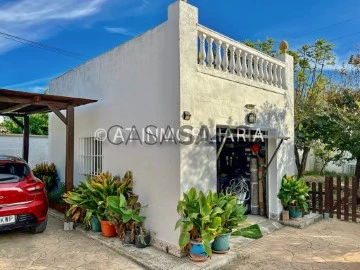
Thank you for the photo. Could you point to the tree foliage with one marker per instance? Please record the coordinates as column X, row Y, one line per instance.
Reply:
column 266, row 46
column 311, row 62
column 38, row 125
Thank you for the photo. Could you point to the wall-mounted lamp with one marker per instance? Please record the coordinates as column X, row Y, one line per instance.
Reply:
column 250, row 106
column 251, row 118
column 186, row 115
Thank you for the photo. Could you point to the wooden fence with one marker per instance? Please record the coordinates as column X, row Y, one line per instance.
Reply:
column 337, row 197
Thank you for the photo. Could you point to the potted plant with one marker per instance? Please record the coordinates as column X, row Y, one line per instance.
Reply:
column 108, row 229
column 231, row 214
column 125, row 215
column 293, row 195
column 87, row 201
column 142, row 238
column 199, row 223
column 284, row 197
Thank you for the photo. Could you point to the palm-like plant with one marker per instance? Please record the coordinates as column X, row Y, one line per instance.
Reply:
column 89, row 198
column 293, row 192
column 125, row 214
column 199, row 220
column 233, row 213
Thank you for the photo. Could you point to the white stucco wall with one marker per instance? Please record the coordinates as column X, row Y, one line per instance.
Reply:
column 11, row 144
column 217, row 98
column 152, row 79
column 136, row 83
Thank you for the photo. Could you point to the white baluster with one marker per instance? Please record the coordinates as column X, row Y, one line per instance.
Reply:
column 279, row 77
column 256, row 68
column 225, row 62
column 244, row 65
column 218, row 54
column 202, row 53
column 210, row 53
column 261, row 69
column 270, row 79
column 266, row 73
column 238, row 62
column 283, row 78
column 250, row 67
column 275, row 75
column 232, row 60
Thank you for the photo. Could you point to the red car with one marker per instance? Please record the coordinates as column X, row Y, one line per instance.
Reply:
column 23, row 199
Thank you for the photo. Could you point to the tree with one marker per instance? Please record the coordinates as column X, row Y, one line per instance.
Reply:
column 311, row 80
column 326, row 155
column 38, row 125
column 311, row 83
column 266, row 46
column 342, row 116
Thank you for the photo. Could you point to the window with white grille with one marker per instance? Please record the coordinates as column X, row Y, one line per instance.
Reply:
column 91, row 156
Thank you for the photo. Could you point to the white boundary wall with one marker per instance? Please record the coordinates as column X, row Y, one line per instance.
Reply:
column 11, row 144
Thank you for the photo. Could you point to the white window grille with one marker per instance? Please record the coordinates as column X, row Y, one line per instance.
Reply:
column 91, row 155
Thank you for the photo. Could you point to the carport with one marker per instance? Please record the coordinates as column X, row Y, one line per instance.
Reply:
column 22, row 104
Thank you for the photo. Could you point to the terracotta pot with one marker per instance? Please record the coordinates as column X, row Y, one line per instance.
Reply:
column 107, row 229
column 285, row 215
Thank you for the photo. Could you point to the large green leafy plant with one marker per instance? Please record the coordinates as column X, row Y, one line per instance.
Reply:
column 125, row 214
column 200, row 220
column 90, row 197
column 293, row 192
column 233, row 213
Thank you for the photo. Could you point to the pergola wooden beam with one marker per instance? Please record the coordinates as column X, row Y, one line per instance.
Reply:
column 22, row 104
column 31, row 101
column 69, row 165
column 15, row 108
column 26, row 138
column 25, row 126
column 13, row 117
column 59, row 114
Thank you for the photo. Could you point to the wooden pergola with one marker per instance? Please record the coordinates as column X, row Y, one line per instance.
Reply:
column 22, row 104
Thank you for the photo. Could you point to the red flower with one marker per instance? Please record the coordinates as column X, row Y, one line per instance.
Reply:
column 255, row 148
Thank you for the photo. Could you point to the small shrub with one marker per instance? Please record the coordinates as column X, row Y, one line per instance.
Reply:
column 47, row 173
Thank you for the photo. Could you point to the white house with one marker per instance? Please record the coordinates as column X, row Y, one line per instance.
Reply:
column 180, row 67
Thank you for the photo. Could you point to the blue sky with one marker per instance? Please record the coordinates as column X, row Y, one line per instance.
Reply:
column 94, row 26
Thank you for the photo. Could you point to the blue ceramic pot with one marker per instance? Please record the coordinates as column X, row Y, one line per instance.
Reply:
column 198, row 248
column 295, row 212
column 222, row 242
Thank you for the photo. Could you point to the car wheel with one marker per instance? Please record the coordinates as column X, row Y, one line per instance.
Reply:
column 40, row 227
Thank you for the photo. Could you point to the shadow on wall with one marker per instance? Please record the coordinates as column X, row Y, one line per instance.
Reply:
column 277, row 119
column 198, row 161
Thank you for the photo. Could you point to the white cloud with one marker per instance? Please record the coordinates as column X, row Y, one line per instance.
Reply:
column 42, row 10
column 32, row 19
column 119, row 30
column 35, row 86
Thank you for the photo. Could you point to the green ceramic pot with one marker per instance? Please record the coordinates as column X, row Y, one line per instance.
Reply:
column 95, row 224
column 222, row 242
column 295, row 212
